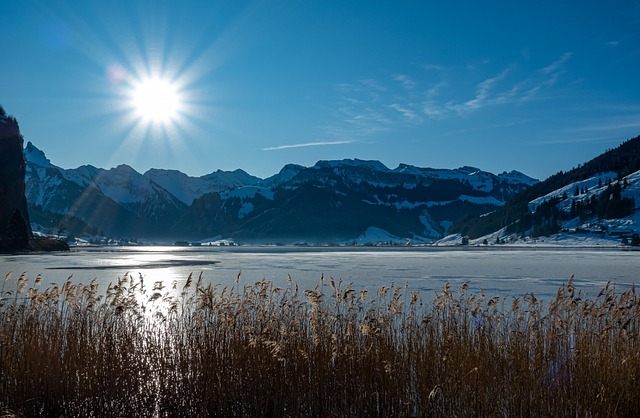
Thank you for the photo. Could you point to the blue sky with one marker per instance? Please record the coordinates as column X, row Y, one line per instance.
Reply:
column 534, row 86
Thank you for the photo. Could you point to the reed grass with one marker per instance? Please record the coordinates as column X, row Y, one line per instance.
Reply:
column 259, row 350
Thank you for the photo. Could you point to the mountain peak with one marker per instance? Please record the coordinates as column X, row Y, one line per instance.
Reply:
column 125, row 169
column 287, row 173
column 467, row 169
column 370, row 164
column 155, row 171
column 35, row 156
column 517, row 176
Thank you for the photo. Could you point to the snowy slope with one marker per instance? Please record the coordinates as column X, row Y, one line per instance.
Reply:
column 123, row 184
column 83, row 175
column 591, row 232
column 286, row 174
column 514, row 176
column 188, row 188
column 478, row 179
column 590, row 186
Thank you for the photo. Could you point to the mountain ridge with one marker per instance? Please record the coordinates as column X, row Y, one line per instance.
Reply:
column 331, row 200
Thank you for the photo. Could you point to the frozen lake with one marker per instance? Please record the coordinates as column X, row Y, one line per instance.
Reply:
column 498, row 271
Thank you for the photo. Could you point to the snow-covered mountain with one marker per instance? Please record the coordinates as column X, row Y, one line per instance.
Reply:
column 50, row 186
column 598, row 202
column 188, row 188
column 332, row 200
column 377, row 174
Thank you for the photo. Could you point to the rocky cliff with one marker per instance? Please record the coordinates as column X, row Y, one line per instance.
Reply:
column 15, row 229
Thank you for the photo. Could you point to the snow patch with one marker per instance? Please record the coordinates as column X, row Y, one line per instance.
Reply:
column 217, row 241
column 245, row 209
column 429, row 229
column 449, row 240
column 482, row 200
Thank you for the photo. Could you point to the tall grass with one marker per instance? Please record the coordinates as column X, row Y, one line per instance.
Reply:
column 260, row 350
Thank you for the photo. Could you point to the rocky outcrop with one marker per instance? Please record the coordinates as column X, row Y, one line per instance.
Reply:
column 46, row 245
column 15, row 229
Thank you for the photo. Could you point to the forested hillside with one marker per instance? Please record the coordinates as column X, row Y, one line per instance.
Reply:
column 516, row 214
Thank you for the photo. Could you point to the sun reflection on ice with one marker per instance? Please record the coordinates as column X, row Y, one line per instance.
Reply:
column 154, row 295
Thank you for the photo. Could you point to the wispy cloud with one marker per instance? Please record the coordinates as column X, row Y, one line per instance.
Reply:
column 307, row 144
column 373, row 84
column 502, row 89
column 483, row 94
column 407, row 112
column 434, row 67
column 369, row 106
column 557, row 64
column 406, row 81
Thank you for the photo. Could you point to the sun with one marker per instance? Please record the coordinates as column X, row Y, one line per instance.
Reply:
column 156, row 100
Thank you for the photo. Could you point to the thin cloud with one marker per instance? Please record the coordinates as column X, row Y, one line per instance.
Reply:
column 434, row 67
column 369, row 106
column 557, row 64
column 483, row 91
column 307, row 144
column 433, row 111
column 438, row 87
column 405, row 111
column 373, row 84
column 406, row 81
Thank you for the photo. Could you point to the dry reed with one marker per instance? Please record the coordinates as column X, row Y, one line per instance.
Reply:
column 260, row 350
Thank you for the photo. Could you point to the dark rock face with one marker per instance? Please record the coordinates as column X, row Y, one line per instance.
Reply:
column 15, row 228
column 47, row 245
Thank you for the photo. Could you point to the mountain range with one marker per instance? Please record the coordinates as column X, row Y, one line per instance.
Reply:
column 343, row 201
column 332, row 201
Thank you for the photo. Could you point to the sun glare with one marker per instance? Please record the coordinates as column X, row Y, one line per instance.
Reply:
column 156, row 100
